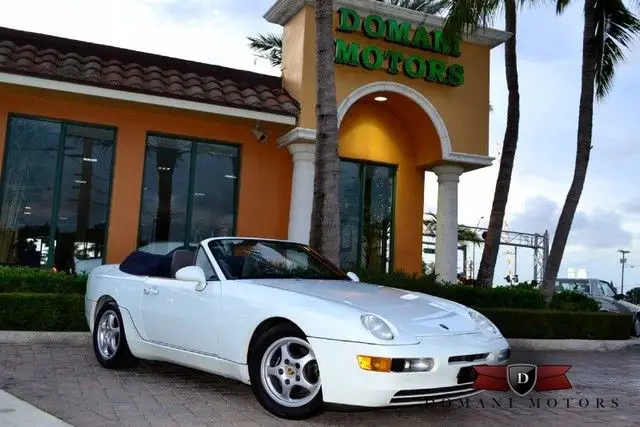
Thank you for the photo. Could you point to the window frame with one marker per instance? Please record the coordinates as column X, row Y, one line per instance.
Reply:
column 55, row 206
column 362, row 165
column 201, row 250
column 194, row 141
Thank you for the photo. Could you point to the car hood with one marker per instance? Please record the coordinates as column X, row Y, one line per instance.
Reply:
column 410, row 312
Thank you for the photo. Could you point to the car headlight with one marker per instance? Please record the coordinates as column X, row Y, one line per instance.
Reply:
column 483, row 322
column 378, row 327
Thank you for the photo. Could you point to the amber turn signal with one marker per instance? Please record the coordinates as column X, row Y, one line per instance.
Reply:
column 377, row 364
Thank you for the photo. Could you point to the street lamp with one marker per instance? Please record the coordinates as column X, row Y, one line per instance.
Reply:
column 473, row 270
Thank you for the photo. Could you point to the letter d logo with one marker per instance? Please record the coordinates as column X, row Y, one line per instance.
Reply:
column 522, row 378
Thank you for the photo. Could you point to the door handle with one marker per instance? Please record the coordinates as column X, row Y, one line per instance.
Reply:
column 150, row 291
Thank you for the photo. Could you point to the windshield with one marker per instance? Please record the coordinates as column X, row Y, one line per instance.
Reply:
column 581, row 285
column 265, row 259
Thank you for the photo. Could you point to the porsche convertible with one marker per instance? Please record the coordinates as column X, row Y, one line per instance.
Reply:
column 278, row 316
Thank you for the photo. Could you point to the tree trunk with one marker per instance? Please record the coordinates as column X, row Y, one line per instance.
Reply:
column 325, row 219
column 583, row 150
column 509, row 145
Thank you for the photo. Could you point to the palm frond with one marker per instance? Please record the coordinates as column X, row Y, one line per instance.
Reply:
column 463, row 17
column 267, row 46
column 616, row 28
column 560, row 5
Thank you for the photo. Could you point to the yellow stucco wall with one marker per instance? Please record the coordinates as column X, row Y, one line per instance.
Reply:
column 464, row 109
column 373, row 133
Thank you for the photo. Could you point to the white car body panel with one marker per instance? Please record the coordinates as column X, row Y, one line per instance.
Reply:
column 168, row 319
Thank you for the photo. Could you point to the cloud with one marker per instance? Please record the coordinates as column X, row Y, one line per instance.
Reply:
column 601, row 229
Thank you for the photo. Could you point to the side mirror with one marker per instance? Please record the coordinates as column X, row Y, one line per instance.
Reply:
column 618, row 296
column 353, row 276
column 193, row 273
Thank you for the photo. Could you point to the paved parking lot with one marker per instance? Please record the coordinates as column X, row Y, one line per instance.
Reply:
column 68, row 383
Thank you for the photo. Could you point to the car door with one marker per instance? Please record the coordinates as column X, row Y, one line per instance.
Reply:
column 175, row 314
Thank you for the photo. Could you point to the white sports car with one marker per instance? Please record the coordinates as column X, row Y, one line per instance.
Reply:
column 278, row 316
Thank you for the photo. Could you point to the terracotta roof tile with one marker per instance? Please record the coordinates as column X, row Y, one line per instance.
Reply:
column 74, row 61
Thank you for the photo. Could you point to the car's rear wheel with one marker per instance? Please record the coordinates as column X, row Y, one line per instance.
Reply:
column 109, row 339
column 284, row 373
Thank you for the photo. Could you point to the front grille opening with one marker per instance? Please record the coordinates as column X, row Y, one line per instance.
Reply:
column 422, row 396
column 468, row 358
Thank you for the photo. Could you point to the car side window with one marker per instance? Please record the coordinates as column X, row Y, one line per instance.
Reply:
column 606, row 289
column 202, row 261
column 597, row 289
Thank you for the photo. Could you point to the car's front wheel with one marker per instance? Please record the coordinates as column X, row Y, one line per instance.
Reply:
column 109, row 339
column 284, row 374
column 636, row 325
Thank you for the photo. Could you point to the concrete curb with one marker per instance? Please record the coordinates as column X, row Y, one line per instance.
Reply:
column 38, row 337
column 519, row 344
column 84, row 339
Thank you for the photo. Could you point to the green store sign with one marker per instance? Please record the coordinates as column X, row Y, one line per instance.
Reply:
column 415, row 66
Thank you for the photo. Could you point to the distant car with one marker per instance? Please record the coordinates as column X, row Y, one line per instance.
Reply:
column 606, row 294
column 278, row 316
column 86, row 266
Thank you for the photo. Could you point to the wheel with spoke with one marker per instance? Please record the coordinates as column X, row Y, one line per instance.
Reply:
column 284, row 372
column 109, row 339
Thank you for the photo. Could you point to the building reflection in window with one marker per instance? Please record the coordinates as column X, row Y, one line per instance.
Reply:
column 189, row 191
column 366, row 211
column 55, row 195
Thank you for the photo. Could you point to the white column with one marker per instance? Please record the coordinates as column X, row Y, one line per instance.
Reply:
column 304, row 155
column 447, row 222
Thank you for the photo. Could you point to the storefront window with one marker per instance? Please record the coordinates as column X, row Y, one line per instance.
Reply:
column 55, row 196
column 189, row 191
column 366, row 211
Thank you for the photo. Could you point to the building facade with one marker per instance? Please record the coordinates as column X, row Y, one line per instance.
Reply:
column 105, row 150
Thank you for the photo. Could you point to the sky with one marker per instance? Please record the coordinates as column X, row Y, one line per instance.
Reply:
column 549, row 50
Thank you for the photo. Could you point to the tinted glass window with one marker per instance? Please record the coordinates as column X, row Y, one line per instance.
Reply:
column 366, row 203
column 606, row 289
column 56, row 194
column 189, row 190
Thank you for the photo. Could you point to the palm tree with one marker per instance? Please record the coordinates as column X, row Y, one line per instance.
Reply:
column 325, row 218
column 465, row 234
column 608, row 29
column 463, row 15
column 269, row 46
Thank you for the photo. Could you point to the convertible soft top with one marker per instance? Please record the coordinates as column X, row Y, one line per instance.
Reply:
column 141, row 263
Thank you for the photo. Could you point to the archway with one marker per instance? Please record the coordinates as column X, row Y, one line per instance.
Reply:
column 389, row 135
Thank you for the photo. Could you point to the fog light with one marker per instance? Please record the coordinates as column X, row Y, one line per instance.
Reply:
column 504, row 355
column 418, row 365
column 377, row 364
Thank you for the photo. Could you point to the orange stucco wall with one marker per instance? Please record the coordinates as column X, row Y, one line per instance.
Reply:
column 464, row 109
column 265, row 192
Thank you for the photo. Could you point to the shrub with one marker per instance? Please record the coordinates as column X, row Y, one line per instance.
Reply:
column 552, row 324
column 573, row 301
column 38, row 280
column 42, row 312
column 524, row 295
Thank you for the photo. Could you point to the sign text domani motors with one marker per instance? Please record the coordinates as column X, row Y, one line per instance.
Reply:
column 413, row 66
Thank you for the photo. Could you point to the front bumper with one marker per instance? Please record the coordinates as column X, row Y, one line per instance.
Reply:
column 345, row 383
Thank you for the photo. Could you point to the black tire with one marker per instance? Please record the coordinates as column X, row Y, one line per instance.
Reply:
column 121, row 358
column 635, row 326
column 307, row 410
